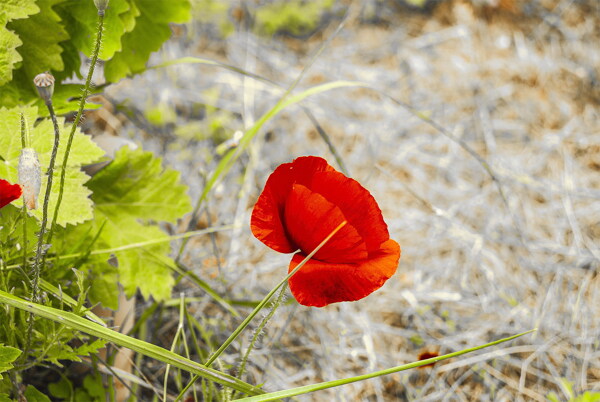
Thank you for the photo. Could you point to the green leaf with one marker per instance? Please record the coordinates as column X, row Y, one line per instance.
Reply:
column 151, row 30
column 104, row 283
column 41, row 34
column 9, row 41
column 5, row 397
column 58, row 352
column 129, row 17
column 135, row 188
column 33, row 395
column 8, row 354
column 9, row 55
column 61, row 389
column 76, row 206
column 17, row 9
column 135, row 184
column 94, row 387
column 90, row 348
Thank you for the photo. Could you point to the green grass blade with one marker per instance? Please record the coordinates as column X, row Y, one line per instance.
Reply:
column 73, row 321
column 65, row 298
column 336, row 383
column 132, row 246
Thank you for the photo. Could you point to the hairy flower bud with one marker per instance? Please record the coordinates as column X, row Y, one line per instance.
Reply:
column 44, row 83
column 101, row 5
column 29, row 176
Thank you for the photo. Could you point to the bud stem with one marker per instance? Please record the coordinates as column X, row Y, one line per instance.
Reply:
column 86, row 92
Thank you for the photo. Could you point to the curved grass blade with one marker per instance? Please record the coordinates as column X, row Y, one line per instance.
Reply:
column 81, row 324
column 336, row 383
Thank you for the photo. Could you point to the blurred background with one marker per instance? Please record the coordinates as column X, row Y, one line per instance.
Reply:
column 477, row 131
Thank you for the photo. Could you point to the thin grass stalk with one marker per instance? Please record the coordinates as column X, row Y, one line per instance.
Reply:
column 327, row 140
column 134, row 245
column 258, row 308
column 178, row 333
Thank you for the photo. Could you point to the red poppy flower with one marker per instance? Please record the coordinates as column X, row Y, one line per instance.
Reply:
column 301, row 204
column 9, row 192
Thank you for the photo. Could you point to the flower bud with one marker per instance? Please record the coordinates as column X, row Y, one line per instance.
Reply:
column 29, row 176
column 44, row 83
column 101, row 5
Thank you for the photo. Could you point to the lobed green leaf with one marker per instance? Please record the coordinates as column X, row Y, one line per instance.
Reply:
column 77, row 206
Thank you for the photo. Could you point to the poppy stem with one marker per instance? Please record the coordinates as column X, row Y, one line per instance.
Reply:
column 259, row 307
column 259, row 330
column 24, row 212
column 40, row 250
column 84, row 95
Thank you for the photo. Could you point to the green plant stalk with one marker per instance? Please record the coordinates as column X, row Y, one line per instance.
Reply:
column 259, row 307
column 24, row 210
column 336, row 383
column 50, row 173
column 23, row 140
column 325, row 137
column 91, row 328
column 36, row 265
column 136, row 245
column 178, row 333
column 85, row 94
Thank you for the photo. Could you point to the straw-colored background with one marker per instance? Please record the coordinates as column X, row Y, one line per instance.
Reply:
column 518, row 85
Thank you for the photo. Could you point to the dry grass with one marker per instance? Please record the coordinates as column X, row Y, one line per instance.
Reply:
column 521, row 89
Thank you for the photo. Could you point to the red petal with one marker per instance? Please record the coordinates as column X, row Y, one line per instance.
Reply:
column 320, row 283
column 267, row 215
column 309, row 218
column 9, row 192
column 357, row 204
